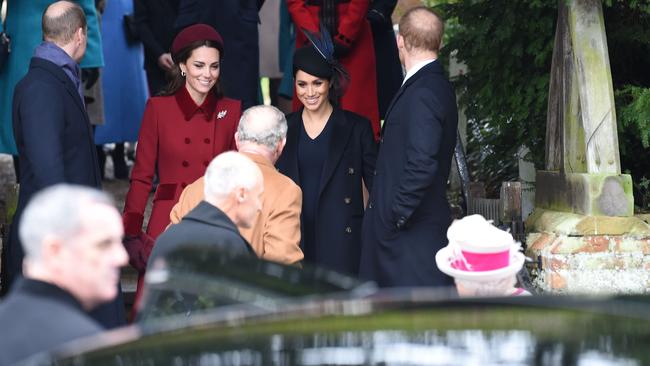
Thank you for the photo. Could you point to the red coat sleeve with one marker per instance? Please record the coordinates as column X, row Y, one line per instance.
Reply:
column 351, row 21
column 301, row 16
column 142, row 173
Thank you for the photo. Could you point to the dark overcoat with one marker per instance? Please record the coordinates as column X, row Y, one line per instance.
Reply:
column 389, row 70
column 55, row 145
column 350, row 162
column 408, row 214
column 236, row 21
column 155, row 22
column 205, row 225
column 38, row 317
column 54, row 139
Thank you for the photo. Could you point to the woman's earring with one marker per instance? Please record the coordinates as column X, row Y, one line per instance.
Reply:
column 183, row 74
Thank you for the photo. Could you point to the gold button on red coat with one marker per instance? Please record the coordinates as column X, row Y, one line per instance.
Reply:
column 186, row 164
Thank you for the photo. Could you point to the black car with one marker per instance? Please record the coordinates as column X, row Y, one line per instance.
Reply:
column 206, row 308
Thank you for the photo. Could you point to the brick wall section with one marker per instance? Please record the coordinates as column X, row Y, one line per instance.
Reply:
column 590, row 264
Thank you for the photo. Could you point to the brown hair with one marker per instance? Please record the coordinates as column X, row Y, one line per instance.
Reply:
column 61, row 28
column 422, row 28
column 174, row 77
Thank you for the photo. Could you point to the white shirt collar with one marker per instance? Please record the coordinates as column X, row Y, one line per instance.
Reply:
column 415, row 68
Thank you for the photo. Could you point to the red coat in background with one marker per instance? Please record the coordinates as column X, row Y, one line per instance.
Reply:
column 353, row 32
column 178, row 139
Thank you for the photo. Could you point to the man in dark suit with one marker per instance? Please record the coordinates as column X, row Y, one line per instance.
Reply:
column 233, row 187
column 155, row 22
column 236, row 21
column 51, row 127
column 408, row 214
column 72, row 236
column 389, row 71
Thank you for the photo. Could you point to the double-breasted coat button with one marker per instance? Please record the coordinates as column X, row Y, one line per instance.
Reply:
column 186, row 164
column 347, row 200
column 348, row 230
column 187, row 140
column 369, row 204
column 374, row 172
column 206, row 140
column 350, row 171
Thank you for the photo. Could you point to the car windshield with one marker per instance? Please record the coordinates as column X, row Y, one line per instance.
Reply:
column 205, row 307
column 194, row 279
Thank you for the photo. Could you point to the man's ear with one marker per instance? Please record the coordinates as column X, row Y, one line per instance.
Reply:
column 237, row 140
column 400, row 41
column 80, row 34
column 51, row 250
column 241, row 194
column 281, row 146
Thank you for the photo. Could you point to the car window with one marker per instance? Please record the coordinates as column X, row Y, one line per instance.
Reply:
column 194, row 279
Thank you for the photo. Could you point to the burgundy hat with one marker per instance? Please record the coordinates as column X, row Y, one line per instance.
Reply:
column 196, row 32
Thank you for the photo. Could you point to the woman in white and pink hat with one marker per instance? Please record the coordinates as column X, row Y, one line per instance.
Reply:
column 482, row 259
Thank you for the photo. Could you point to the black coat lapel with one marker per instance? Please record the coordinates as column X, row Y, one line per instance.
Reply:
column 341, row 131
column 434, row 66
column 289, row 166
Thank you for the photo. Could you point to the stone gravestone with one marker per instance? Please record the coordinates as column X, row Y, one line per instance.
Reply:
column 583, row 234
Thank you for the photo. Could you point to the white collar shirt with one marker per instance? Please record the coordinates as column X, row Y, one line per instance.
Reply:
column 415, row 68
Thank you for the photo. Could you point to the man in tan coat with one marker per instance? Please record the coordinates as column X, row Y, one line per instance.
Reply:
column 275, row 234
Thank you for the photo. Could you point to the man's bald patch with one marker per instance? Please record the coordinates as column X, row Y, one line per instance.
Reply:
column 61, row 20
column 422, row 29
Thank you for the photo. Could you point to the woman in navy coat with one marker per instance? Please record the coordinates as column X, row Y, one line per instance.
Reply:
column 330, row 153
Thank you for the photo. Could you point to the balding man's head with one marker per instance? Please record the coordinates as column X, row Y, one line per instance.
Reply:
column 61, row 21
column 264, row 126
column 422, row 29
column 234, row 184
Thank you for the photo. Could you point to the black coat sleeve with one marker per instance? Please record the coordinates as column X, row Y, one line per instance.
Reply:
column 142, row 18
column 423, row 140
column 189, row 12
column 384, row 10
column 43, row 115
column 369, row 153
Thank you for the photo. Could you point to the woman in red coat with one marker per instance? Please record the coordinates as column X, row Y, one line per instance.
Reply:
column 182, row 130
column 346, row 22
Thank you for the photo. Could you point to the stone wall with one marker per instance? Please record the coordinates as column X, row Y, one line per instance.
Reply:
column 589, row 254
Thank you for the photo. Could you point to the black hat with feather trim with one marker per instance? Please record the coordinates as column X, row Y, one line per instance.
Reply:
column 318, row 59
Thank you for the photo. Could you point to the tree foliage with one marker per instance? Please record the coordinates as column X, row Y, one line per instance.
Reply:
column 507, row 47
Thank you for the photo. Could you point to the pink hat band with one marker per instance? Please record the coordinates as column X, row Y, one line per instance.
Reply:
column 481, row 262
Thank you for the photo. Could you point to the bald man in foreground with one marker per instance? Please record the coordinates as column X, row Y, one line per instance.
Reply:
column 232, row 198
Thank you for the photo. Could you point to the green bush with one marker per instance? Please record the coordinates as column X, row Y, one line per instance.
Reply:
column 507, row 47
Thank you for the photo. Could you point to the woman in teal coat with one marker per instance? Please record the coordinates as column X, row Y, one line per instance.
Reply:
column 23, row 25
